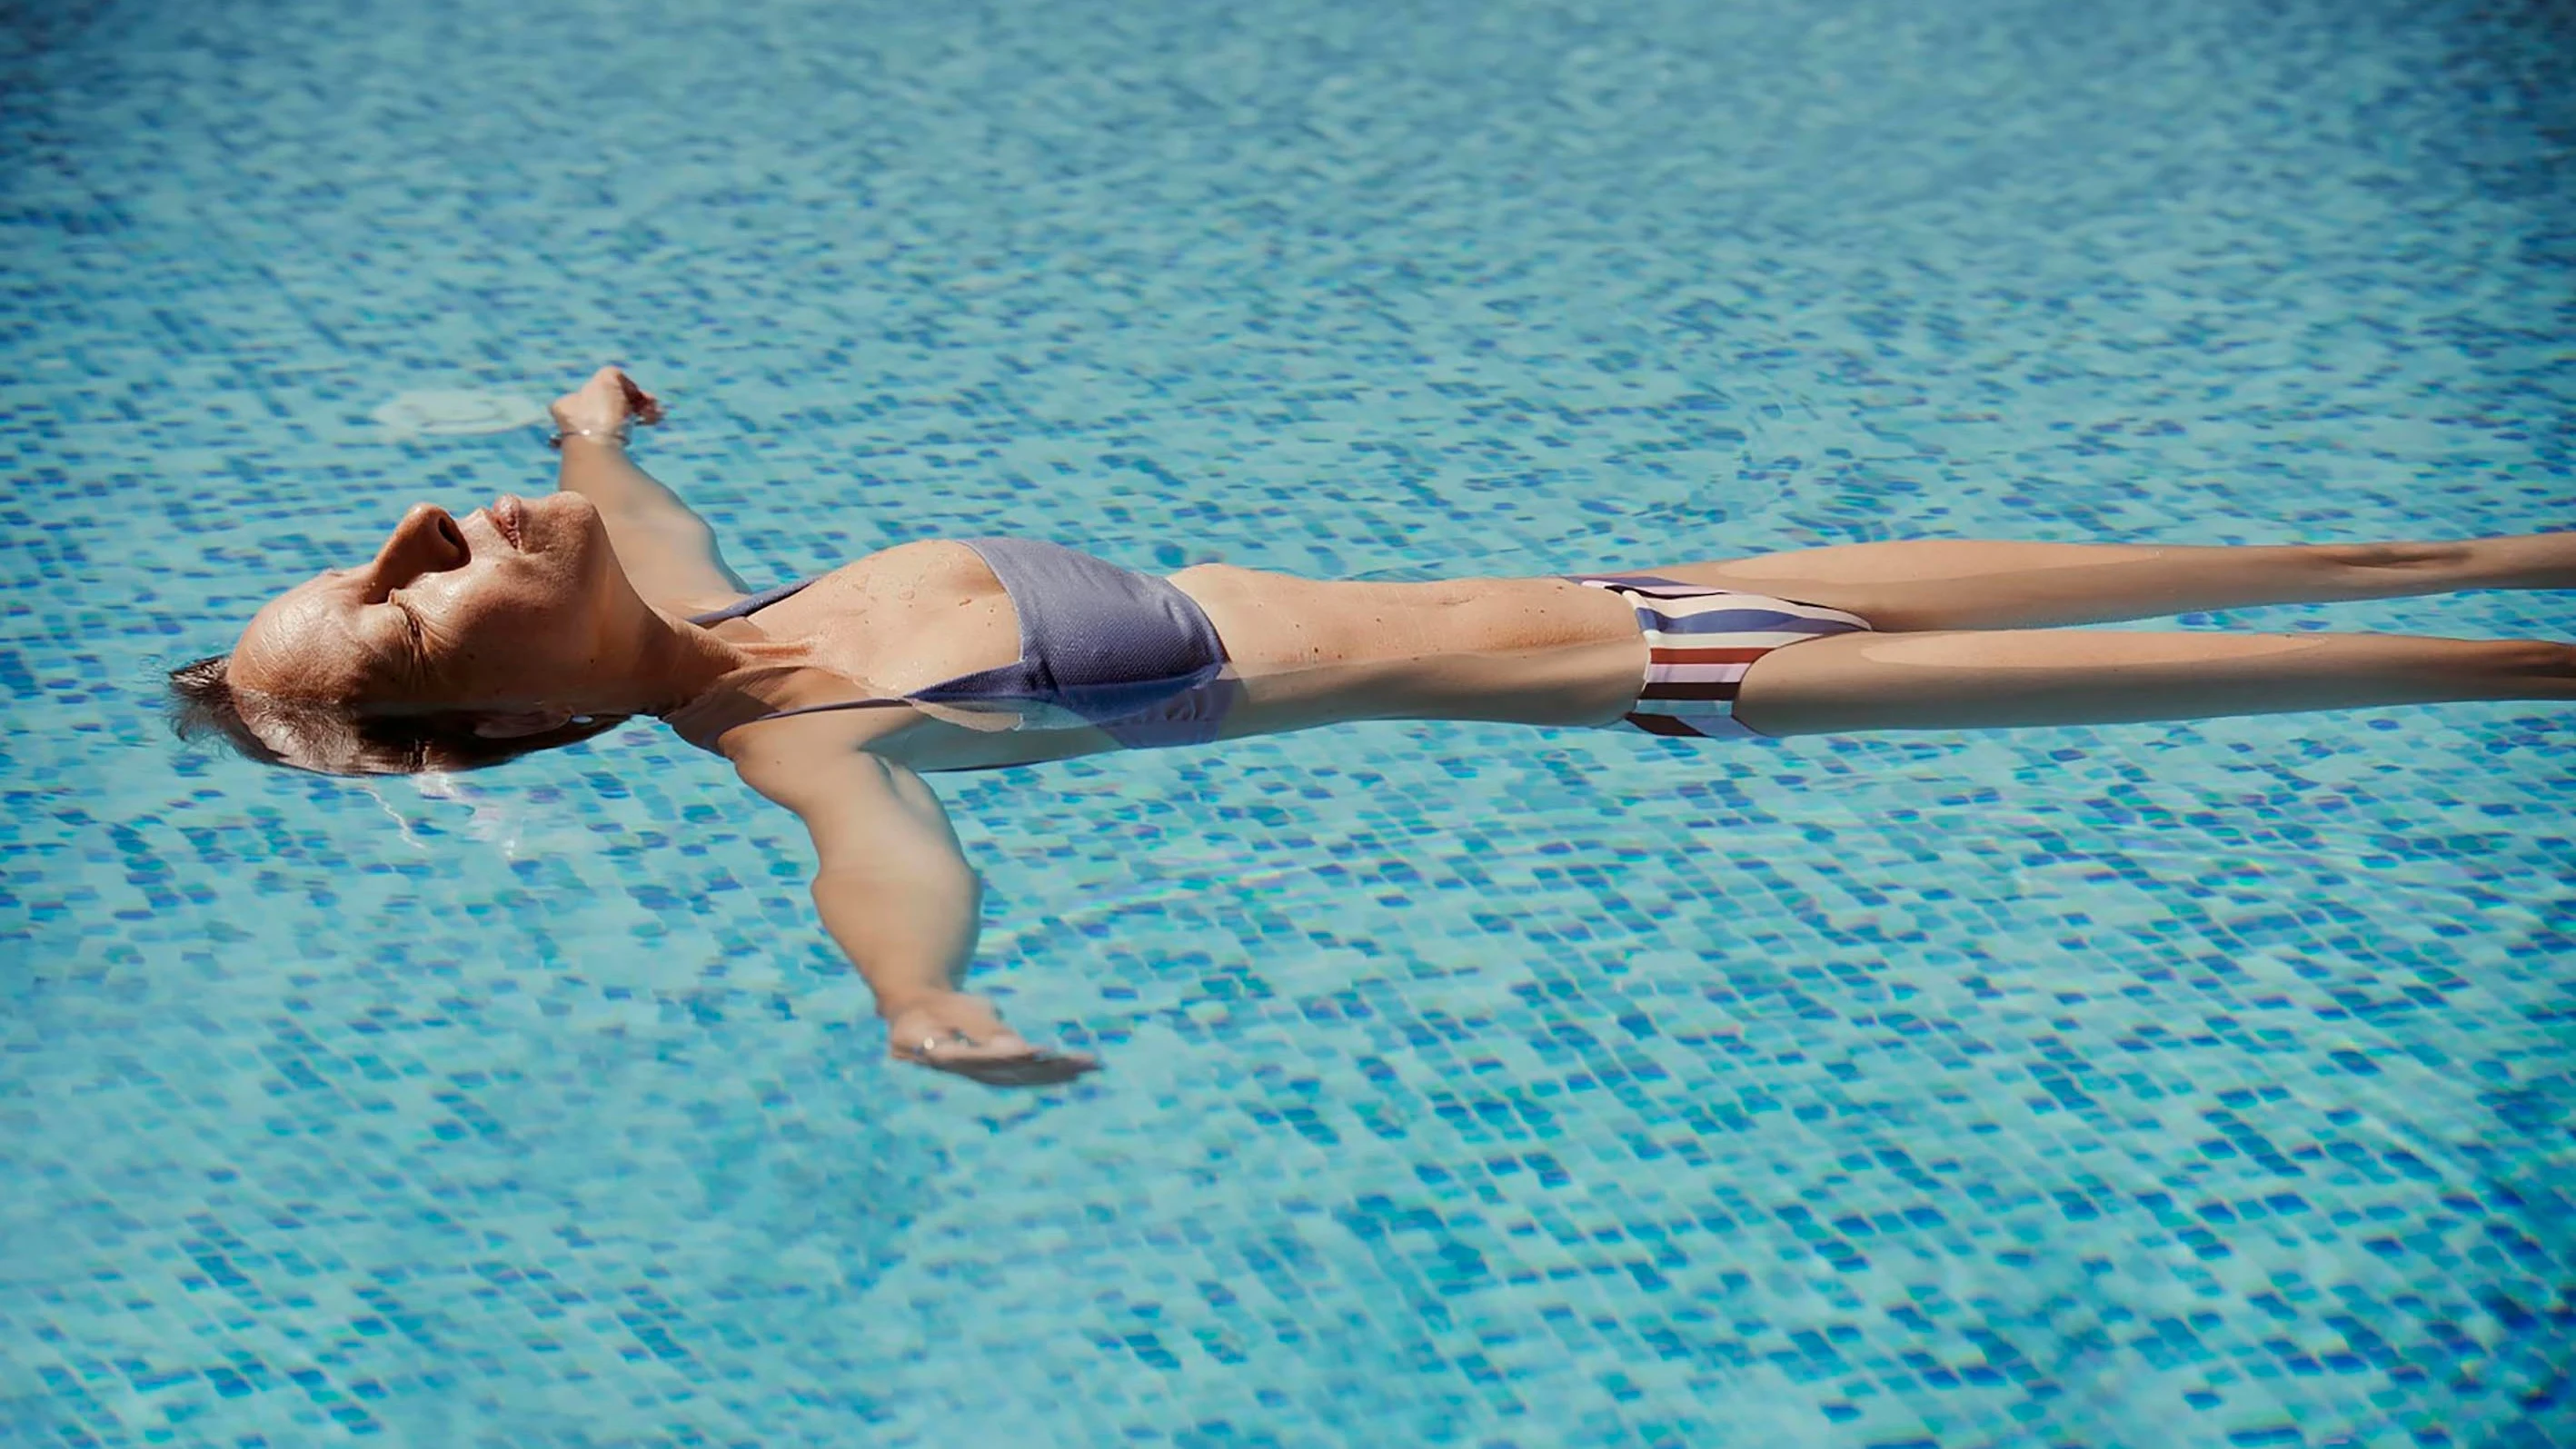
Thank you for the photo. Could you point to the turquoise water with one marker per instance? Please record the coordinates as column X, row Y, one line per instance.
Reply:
column 2145, row 1086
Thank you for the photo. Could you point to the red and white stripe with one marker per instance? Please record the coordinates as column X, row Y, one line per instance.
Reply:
column 1700, row 643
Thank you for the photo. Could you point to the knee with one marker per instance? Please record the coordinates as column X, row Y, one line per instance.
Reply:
column 2382, row 558
column 2546, row 660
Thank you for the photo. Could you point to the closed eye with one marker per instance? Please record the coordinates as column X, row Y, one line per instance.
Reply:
column 411, row 625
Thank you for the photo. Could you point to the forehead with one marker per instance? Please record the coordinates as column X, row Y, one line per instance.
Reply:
column 304, row 643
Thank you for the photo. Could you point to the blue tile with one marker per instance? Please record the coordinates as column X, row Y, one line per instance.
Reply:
column 2186, row 1084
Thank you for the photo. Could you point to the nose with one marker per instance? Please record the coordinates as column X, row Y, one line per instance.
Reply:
column 427, row 541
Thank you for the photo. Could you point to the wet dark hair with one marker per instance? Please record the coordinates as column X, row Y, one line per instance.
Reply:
column 203, row 707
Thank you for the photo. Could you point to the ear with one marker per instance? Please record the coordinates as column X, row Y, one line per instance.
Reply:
column 519, row 724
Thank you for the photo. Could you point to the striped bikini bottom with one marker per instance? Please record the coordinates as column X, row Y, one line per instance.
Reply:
column 1700, row 641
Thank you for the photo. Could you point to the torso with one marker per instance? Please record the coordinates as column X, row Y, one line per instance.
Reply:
column 1538, row 651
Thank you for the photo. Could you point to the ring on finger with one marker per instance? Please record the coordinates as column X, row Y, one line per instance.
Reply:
column 931, row 1044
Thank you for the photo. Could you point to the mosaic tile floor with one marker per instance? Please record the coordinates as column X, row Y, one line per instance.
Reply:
column 2152, row 1086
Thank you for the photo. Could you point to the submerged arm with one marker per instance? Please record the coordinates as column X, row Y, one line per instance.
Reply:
column 898, row 897
column 667, row 549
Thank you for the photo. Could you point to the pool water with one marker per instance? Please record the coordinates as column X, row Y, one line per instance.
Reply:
column 2160, row 1085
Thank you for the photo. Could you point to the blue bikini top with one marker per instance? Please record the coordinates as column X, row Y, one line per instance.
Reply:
column 1126, row 651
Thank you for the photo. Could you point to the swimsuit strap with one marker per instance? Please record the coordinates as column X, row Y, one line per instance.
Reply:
column 752, row 605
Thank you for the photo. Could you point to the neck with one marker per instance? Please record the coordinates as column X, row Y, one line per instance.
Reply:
column 713, row 684
column 670, row 663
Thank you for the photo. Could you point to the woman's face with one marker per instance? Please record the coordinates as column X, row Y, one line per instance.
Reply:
column 512, row 608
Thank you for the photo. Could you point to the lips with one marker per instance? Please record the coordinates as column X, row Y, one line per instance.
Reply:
column 510, row 517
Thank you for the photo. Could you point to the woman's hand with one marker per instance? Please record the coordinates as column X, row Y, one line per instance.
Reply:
column 954, row 1032
column 604, row 407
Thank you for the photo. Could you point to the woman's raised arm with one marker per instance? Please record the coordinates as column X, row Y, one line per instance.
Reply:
column 667, row 549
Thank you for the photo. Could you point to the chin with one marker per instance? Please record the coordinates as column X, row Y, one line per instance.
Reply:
column 564, row 524
column 569, row 510
column 577, row 534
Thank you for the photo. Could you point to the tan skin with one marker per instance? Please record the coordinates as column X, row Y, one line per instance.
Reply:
column 529, row 613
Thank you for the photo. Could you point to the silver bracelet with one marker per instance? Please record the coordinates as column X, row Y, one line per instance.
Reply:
column 619, row 434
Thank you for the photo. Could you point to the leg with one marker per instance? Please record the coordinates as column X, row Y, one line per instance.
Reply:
column 1857, row 682
column 1964, row 584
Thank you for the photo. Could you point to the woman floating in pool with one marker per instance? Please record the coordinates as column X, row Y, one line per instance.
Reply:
column 528, row 624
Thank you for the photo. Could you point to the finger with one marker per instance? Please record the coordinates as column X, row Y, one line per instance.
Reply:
column 1043, row 1069
column 1024, row 1066
column 957, row 1046
column 648, row 408
column 1041, row 1074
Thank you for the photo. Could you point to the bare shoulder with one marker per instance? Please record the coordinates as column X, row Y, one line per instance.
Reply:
column 797, row 760
column 691, row 605
column 862, row 809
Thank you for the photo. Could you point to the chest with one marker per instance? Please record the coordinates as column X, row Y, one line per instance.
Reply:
column 899, row 619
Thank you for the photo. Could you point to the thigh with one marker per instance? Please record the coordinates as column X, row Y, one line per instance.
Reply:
column 1982, row 584
column 1989, row 680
